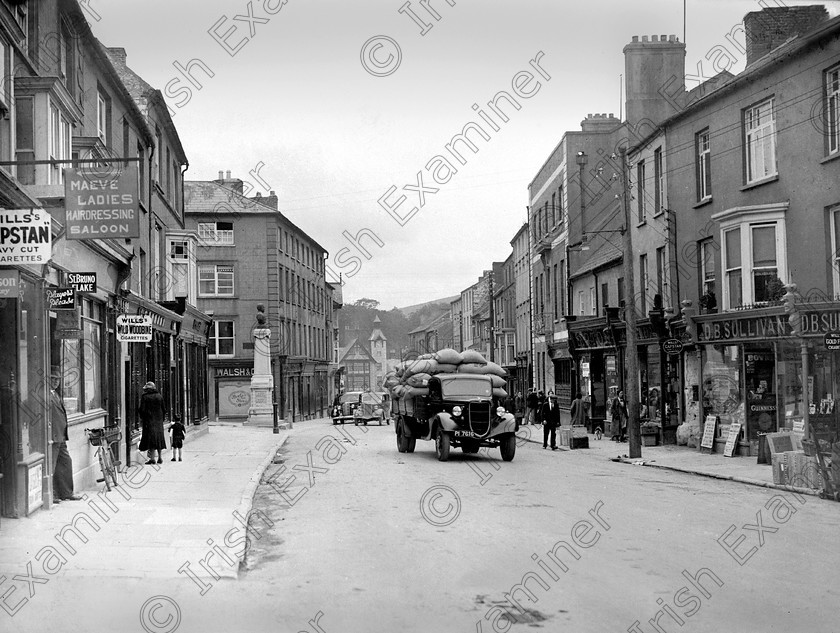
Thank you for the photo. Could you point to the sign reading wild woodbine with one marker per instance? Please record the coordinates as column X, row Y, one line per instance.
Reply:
column 134, row 328
column 25, row 236
column 102, row 206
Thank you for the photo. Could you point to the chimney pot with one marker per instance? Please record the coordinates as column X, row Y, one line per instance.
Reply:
column 635, row 38
column 654, row 38
column 227, row 174
column 644, row 38
column 271, row 193
column 663, row 38
column 221, row 175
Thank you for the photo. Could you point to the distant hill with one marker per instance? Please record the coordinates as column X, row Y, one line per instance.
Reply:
column 409, row 310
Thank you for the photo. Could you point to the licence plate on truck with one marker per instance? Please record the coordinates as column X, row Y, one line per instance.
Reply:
column 464, row 434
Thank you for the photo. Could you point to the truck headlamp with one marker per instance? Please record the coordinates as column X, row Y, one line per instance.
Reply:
column 456, row 411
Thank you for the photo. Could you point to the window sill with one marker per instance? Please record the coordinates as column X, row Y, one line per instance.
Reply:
column 758, row 183
column 217, row 297
column 828, row 159
column 703, row 203
column 642, row 223
column 78, row 418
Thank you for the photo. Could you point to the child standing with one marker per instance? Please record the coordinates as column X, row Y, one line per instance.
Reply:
column 178, row 434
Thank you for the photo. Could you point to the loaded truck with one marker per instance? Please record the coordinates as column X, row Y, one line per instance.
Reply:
column 458, row 411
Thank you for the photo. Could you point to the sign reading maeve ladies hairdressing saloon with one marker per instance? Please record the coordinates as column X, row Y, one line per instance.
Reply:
column 102, row 204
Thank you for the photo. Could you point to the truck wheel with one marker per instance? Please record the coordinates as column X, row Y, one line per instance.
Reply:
column 442, row 445
column 508, row 447
column 402, row 440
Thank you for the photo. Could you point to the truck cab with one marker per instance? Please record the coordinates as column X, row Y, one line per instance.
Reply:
column 458, row 411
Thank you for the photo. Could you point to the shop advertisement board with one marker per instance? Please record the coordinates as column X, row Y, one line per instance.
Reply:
column 134, row 328
column 34, row 498
column 732, row 439
column 61, row 298
column 9, row 282
column 832, row 341
column 25, row 236
column 102, row 203
column 82, row 282
column 708, row 441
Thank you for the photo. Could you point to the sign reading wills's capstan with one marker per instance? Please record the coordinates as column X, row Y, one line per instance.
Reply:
column 102, row 205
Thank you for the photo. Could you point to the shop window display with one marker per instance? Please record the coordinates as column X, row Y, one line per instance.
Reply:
column 722, row 386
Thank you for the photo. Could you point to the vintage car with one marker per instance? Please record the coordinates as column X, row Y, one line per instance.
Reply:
column 362, row 407
column 459, row 410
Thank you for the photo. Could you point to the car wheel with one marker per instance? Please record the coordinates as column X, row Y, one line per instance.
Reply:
column 410, row 444
column 508, row 447
column 442, row 444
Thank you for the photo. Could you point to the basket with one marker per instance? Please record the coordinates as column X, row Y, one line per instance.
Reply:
column 810, row 447
column 100, row 437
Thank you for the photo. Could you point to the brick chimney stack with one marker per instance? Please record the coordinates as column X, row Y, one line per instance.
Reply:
column 770, row 28
column 234, row 184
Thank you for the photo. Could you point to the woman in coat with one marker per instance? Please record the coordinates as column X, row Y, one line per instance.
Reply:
column 618, row 409
column 152, row 411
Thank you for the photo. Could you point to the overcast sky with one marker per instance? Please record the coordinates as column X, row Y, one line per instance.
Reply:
column 289, row 90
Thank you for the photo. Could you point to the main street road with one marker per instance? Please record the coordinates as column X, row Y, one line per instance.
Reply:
column 365, row 538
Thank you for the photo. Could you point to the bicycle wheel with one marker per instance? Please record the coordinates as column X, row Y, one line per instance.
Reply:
column 103, row 465
column 112, row 469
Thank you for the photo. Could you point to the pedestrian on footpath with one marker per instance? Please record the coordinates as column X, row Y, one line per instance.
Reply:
column 62, row 462
column 618, row 410
column 152, row 412
column 578, row 410
column 540, row 405
column 518, row 408
column 178, row 434
column 551, row 420
column 531, row 401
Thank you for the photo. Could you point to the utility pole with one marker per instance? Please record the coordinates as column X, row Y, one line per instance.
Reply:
column 631, row 352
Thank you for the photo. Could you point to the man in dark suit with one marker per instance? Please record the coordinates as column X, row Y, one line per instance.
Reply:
column 62, row 462
column 551, row 420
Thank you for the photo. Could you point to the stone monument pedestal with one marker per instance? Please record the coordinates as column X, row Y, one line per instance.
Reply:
column 261, row 412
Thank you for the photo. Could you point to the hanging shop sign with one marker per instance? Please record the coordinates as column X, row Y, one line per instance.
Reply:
column 82, row 282
column 61, row 298
column 832, row 341
column 9, row 282
column 134, row 328
column 102, row 205
column 672, row 346
column 25, row 236
column 68, row 324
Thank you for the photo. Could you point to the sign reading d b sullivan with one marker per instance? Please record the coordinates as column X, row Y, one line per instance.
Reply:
column 102, row 205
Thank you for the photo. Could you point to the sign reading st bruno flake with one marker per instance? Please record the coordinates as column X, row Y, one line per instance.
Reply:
column 102, row 205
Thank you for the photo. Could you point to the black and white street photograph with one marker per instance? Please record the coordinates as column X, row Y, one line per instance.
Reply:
column 427, row 316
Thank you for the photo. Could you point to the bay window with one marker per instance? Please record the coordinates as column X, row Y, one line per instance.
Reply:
column 754, row 254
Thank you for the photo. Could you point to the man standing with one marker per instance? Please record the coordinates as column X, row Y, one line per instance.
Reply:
column 62, row 462
column 551, row 420
column 531, row 401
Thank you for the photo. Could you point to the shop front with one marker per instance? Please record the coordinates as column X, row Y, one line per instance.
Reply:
column 599, row 352
column 232, row 388
column 756, row 373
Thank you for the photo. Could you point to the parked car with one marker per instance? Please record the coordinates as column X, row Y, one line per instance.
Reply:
column 373, row 406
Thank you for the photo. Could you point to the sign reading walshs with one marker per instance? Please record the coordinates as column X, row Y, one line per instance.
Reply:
column 82, row 282
column 134, row 328
column 102, row 205
column 25, row 236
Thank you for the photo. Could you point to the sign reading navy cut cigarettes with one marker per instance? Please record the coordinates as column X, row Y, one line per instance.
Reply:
column 102, row 205
column 25, row 236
